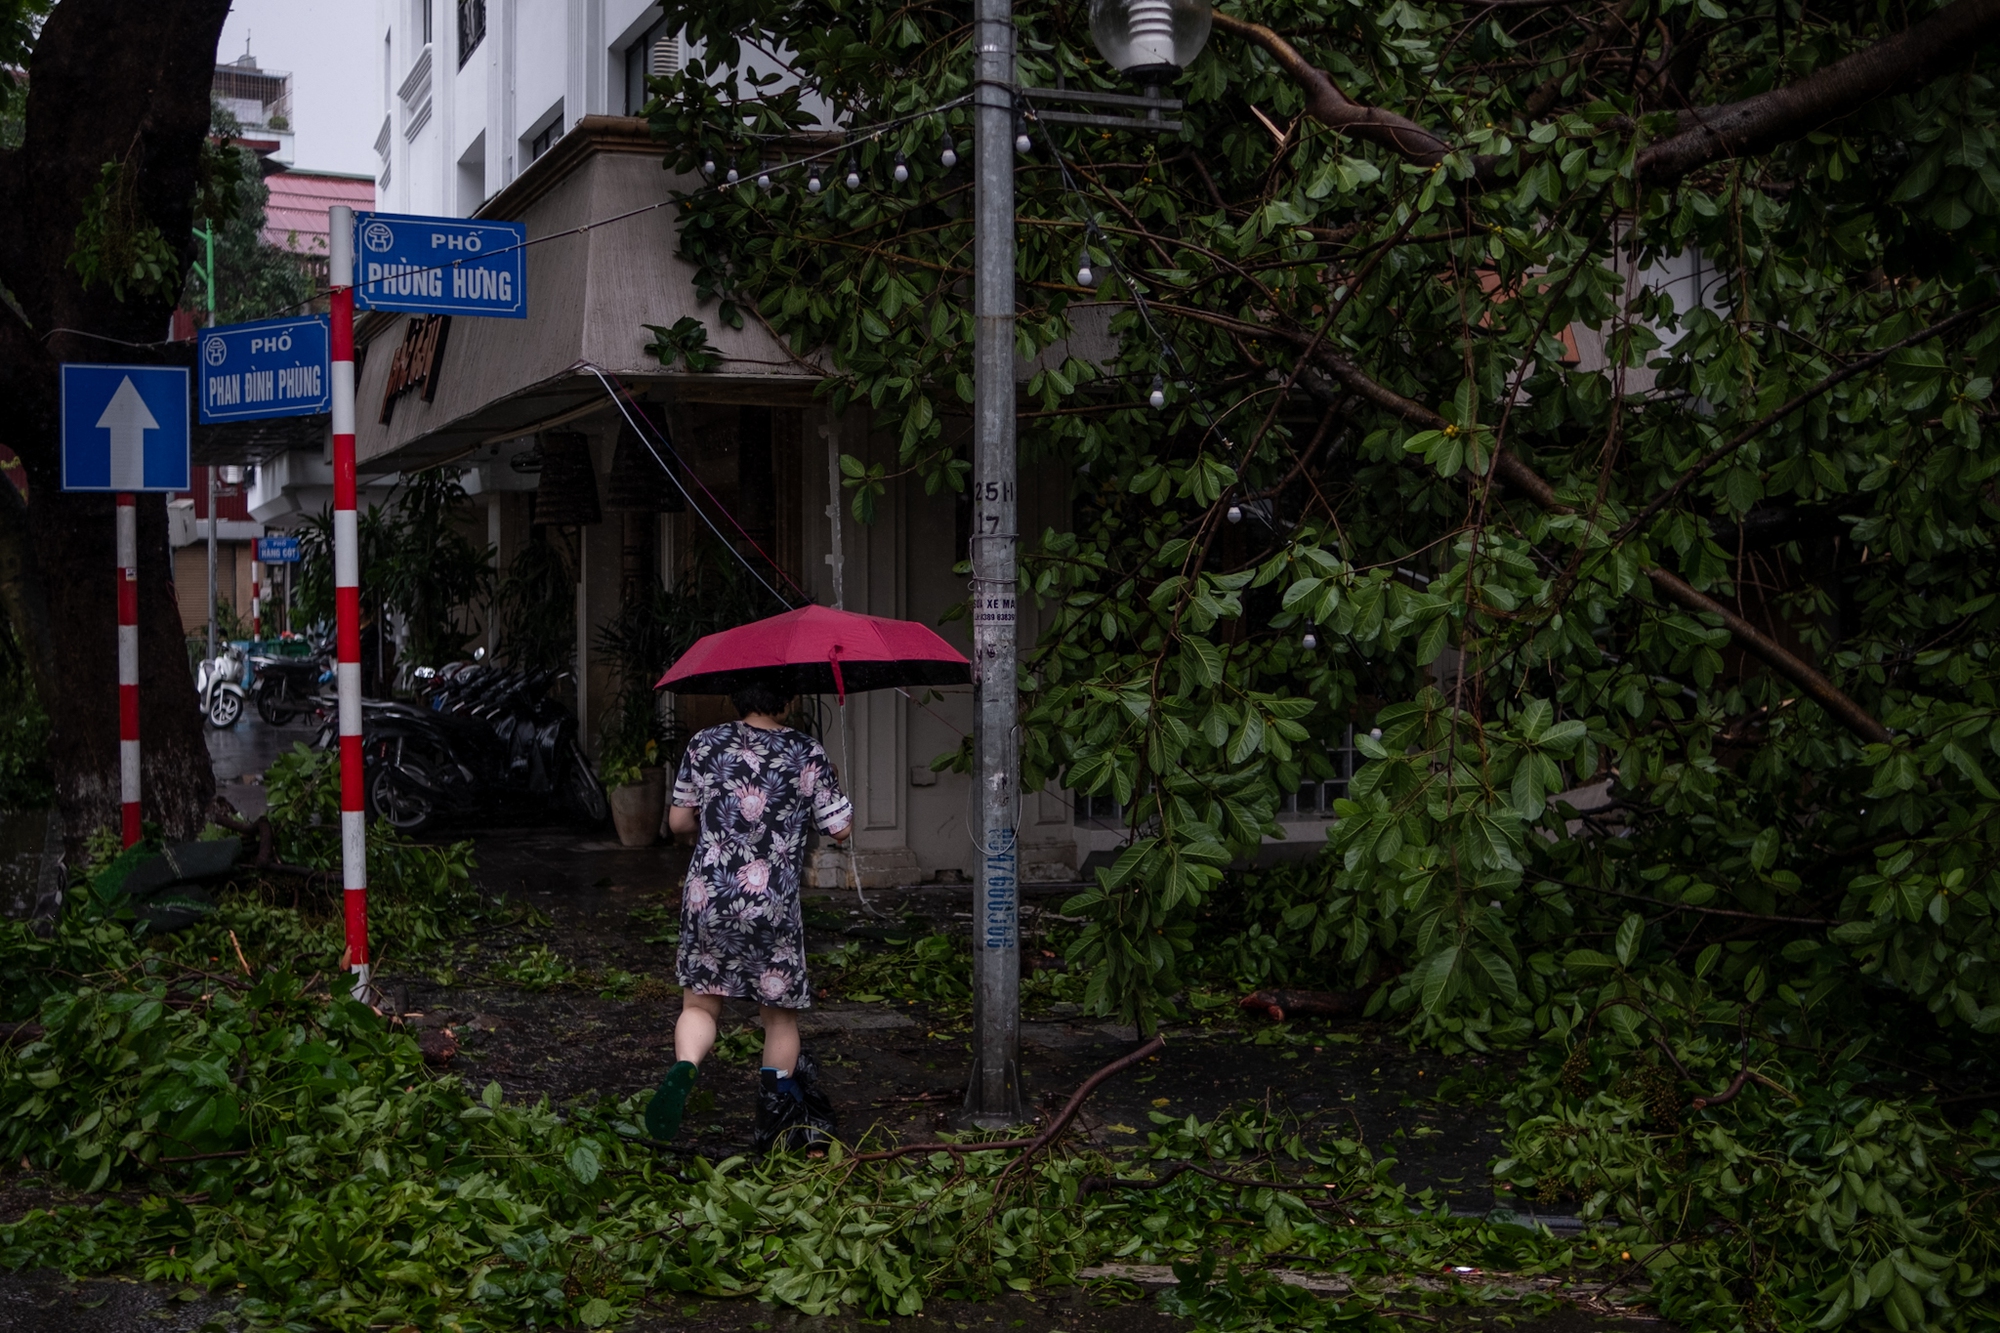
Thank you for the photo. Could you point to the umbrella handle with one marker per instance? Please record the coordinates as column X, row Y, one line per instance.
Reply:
column 839, row 685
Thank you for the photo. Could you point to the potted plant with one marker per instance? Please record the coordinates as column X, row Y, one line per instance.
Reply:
column 637, row 785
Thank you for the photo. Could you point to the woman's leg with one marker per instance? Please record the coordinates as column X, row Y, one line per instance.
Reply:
column 781, row 1039
column 694, row 1031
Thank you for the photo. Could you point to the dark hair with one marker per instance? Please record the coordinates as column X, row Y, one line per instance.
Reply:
column 760, row 697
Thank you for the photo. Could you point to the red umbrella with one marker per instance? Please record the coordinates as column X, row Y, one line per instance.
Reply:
column 817, row 650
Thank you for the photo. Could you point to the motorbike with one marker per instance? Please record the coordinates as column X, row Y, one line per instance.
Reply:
column 284, row 687
column 218, row 686
column 478, row 746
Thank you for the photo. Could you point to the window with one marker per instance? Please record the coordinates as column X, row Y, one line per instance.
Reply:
column 423, row 23
column 656, row 52
column 551, row 132
column 471, row 28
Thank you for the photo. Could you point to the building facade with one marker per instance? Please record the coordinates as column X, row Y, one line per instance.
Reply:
column 473, row 91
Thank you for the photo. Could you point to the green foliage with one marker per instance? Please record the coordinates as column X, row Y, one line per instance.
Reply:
column 685, row 342
column 259, row 1136
column 253, row 278
column 431, row 573
column 932, row 970
column 534, row 968
column 117, row 245
column 535, row 607
column 415, row 560
column 1351, row 342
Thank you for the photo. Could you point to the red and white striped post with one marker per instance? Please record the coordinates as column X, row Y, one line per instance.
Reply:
column 256, row 599
column 347, row 601
column 128, row 665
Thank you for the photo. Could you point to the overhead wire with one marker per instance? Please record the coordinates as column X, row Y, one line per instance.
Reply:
column 846, row 145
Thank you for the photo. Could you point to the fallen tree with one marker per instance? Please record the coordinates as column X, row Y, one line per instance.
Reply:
column 1505, row 349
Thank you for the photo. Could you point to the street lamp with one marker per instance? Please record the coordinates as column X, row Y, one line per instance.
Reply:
column 1151, row 41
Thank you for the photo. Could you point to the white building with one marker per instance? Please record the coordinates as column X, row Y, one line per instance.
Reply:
column 472, row 91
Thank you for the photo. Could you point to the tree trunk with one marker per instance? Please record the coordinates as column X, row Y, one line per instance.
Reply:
column 108, row 82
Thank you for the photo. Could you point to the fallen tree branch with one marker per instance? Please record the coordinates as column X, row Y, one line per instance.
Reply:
column 1028, row 1146
column 1328, row 105
column 1947, row 39
column 1283, row 1004
column 1923, row 51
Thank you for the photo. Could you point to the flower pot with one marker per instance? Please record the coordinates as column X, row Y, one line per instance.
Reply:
column 636, row 809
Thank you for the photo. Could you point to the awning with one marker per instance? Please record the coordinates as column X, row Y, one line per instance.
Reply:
column 590, row 294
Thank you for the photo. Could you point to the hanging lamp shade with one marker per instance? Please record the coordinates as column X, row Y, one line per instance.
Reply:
column 638, row 484
column 567, row 493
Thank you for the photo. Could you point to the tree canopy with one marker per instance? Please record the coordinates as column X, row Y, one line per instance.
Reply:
column 1600, row 393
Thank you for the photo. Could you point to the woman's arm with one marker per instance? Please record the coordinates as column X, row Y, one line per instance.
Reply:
column 683, row 821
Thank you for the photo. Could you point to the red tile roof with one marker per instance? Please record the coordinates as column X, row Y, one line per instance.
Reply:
column 295, row 217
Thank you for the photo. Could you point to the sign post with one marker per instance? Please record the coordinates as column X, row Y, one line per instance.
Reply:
column 425, row 266
column 125, row 430
column 347, row 601
column 128, row 667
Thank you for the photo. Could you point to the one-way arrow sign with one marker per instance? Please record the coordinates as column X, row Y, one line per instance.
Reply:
column 128, row 421
column 125, row 428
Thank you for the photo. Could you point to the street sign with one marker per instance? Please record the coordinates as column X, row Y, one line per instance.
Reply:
column 278, row 550
column 270, row 368
column 440, row 266
column 124, row 428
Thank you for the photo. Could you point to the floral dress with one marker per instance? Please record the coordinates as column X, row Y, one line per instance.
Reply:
column 742, row 933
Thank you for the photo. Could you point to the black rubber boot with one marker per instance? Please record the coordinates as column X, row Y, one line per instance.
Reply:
column 820, row 1114
column 778, row 1113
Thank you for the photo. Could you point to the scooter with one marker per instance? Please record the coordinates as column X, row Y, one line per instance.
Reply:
column 517, row 750
column 218, row 685
column 284, row 687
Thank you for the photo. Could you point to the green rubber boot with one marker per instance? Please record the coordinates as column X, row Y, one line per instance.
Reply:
column 663, row 1113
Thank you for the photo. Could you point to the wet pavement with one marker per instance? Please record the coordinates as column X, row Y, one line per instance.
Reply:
column 241, row 753
column 895, row 1070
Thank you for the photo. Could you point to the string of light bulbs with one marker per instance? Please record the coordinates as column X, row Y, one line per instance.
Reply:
column 1086, row 278
column 814, row 184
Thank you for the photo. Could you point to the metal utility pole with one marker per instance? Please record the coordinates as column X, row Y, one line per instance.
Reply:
column 994, row 1098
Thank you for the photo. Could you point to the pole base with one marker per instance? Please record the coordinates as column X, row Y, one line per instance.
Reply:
column 990, row 1108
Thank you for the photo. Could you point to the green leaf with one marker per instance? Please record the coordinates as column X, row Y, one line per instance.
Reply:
column 1630, row 930
column 584, row 1161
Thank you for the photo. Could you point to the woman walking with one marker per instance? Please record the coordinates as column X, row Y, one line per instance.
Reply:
column 744, row 791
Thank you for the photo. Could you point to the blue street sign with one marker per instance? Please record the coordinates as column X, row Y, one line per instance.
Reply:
column 124, row 428
column 270, row 368
column 440, row 266
column 278, row 550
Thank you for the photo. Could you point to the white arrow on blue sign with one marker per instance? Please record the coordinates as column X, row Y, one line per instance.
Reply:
column 440, row 266
column 124, row 428
column 270, row 368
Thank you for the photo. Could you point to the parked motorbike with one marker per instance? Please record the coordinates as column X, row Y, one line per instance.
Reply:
column 284, row 687
column 475, row 746
column 218, row 685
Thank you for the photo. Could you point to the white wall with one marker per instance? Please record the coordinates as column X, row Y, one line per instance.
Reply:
column 475, row 137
